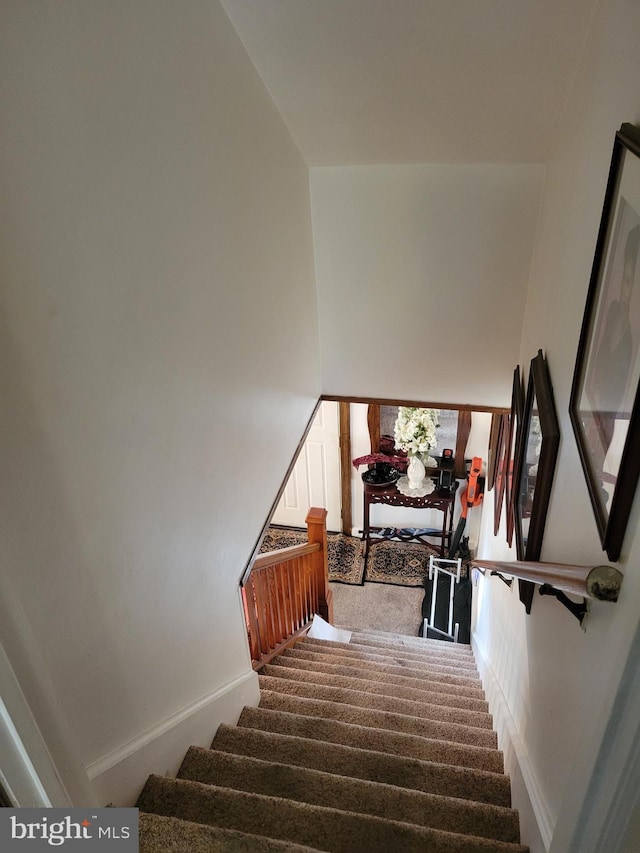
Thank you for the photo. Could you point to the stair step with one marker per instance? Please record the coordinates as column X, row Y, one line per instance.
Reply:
column 405, row 772
column 275, row 679
column 435, row 646
column 464, row 687
column 329, row 829
column 401, row 685
column 392, row 656
column 430, row 648
column 365, row 737
column 433, row 663
column 410, row 645
column 243, row 773
column 425, row 648
column 384, row 656
column 161, row 834
column 370, row 717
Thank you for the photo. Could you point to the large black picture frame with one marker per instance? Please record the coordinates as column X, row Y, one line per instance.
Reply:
column 605, row 404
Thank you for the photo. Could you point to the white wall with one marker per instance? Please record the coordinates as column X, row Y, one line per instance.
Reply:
column 158, row 330
column 422, row 274
column 558, row 683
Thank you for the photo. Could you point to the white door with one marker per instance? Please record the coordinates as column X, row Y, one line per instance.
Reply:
column 315, row 479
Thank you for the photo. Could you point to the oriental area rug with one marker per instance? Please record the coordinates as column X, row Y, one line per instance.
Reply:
column 398, row 563
column 346, row 553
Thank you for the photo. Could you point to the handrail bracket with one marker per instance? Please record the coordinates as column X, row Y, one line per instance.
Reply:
column 579, row 610
column 503, row 578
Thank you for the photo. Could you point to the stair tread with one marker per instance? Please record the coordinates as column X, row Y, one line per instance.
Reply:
column 378, row 632
column 436, row 646
column 431, row 648
column 162, row 834
column 406, row 685
column 467, row 671
column 464, row 687
column 365, row 653
column 337, row 831
column 461, row 664
column 385, row 702
column 372, row 718
column 340, row 759
column 356, row 795
column 399, row 743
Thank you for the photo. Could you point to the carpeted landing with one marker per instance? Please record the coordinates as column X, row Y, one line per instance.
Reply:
column 372, row 746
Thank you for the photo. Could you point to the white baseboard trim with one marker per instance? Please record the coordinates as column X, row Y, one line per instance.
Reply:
column 119, row 775
column 515, row 753
column 27, row 771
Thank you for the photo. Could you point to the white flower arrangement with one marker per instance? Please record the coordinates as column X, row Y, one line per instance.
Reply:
column 415, row 430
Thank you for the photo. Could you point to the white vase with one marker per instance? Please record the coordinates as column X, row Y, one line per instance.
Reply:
column 415, row 472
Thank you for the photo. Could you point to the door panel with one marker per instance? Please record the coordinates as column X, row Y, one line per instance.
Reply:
column 315, row 479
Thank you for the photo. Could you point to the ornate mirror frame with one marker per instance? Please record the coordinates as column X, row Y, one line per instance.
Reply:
column 536, row 462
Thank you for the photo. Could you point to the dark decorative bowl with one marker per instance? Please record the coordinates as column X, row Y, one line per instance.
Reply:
column 382, row 474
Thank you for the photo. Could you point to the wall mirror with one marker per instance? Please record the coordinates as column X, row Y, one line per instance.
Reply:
column 453, row 431
column 537, row 453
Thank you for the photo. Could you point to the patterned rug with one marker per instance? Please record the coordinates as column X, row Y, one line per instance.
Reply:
column 398, row 563
column 346, row 553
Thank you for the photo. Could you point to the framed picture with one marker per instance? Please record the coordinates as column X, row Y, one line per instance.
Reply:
column 604, row 408
column 515, row 428
column 492, row 458
column 502, row 463
column 535, row 467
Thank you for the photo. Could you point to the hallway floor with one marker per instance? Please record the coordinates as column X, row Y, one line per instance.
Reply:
column 378, row 606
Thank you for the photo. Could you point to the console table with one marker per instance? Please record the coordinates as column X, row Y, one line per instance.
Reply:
column 439, row 499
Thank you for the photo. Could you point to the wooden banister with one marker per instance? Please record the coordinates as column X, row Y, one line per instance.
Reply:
column 283, row 590
column 317, row 526
column 602, row 583
column 272, row 558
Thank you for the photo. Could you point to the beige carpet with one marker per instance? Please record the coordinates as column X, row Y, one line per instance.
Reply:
column 381, row 744
column 379, row 606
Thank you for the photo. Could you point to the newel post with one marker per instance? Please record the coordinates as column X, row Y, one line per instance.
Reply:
column 316, row 521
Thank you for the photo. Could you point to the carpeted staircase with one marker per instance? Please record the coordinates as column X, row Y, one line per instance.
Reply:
column 379, row 745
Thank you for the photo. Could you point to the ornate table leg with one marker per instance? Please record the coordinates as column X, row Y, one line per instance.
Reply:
column 365, row 525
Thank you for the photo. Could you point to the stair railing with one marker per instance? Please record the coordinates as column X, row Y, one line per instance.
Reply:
column 602, row 583
column 283, row 590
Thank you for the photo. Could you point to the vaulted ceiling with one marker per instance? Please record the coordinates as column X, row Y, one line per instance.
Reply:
column 417, row 81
